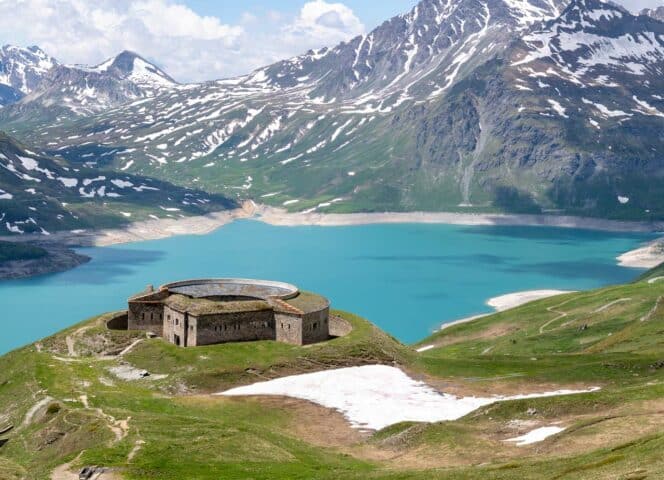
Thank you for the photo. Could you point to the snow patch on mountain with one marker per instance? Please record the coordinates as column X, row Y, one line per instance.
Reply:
column 23, row 68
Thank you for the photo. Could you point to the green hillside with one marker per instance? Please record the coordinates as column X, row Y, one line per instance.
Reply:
column 68, row 410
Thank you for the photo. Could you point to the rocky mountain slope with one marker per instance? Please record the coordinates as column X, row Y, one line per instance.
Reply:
column 657, row 13
column 41, row 194
column 517, row 105
column 21, row 71
column 46, row 89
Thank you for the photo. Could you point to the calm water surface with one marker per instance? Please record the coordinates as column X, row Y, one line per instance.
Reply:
column 408, row 279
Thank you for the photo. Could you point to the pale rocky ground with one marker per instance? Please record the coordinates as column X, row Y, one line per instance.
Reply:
column 648, row 256
column 201, row 225
column 513, row 300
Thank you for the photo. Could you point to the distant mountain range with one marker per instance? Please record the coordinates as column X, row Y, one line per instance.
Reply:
column 42, row 87
column 461, row 105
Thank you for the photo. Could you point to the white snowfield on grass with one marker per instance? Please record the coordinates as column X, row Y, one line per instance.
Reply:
column 535, row 436
column 376, row 396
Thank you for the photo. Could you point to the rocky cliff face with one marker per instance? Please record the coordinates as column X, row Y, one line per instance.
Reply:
column 519, row 105
column 21, row 70
column 657, row 13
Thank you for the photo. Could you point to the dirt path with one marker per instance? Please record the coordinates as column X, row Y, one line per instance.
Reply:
column 137, row 446
column 63, row 472
column 130, row 347
column 71, row 340
column 120, row 428
column 29, row 415
column 611, row 304
column 560, row 314
column 652, row 311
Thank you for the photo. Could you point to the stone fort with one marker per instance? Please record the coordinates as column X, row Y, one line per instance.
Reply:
column 210, row 311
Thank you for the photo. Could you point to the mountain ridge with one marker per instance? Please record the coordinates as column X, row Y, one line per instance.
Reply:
column 43, row 85
column 478, row 105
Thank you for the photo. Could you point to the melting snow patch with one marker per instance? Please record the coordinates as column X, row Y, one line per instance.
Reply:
column 356, row 391
column 68, row 182
column 535, row 436
column 560, row 110
column 121, row 183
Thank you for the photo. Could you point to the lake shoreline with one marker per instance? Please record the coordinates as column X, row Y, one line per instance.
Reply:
column 646, row 256
column 281, row 217
column 499, row 304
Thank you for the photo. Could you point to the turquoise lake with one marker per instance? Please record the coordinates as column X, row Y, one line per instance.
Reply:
column 408, row 279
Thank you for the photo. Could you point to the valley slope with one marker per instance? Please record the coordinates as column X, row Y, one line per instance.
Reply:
column 43, row 194
column 460, row 105
column 64, row 407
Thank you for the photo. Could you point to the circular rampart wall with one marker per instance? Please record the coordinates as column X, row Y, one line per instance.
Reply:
column 220, row 287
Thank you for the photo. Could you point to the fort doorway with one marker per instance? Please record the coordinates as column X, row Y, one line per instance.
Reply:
column 176, row 339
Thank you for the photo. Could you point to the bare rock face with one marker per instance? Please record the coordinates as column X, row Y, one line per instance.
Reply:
column 77, row 90
column 21, row 71
column 657, row 13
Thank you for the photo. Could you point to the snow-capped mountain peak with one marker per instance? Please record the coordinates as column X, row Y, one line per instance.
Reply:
column 131, row 66
column 79, row 89
column 594, row 41
column 22, row 69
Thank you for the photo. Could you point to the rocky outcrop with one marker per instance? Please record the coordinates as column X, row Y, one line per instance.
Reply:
column 59, row 259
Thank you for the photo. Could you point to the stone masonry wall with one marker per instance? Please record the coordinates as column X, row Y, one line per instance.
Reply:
column 145, row 316
column 315, row 326
column 288, row 328
column 174, row 325
column 235, row 327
